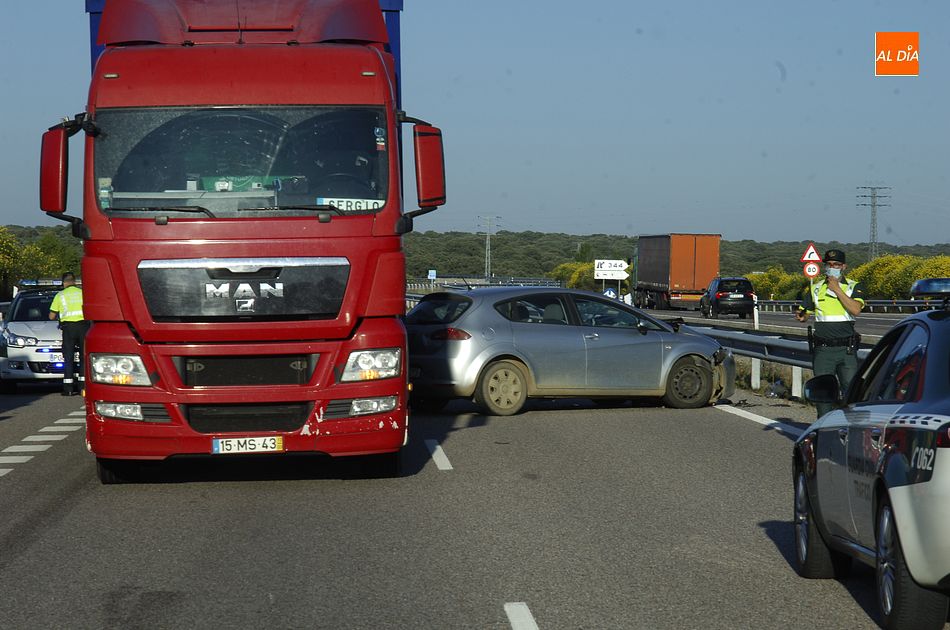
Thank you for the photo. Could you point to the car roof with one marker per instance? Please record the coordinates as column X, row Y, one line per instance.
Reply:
column 35, row 292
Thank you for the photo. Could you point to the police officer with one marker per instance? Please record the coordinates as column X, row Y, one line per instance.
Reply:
column 68, row 306
column 835, row 301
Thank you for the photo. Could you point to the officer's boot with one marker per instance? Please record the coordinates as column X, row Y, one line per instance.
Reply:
column 68, row 387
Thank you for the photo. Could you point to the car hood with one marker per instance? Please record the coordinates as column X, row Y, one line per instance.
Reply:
column 44, row 331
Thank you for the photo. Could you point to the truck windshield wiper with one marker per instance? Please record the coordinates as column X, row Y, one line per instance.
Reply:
column 196, row 209
column 296, row 206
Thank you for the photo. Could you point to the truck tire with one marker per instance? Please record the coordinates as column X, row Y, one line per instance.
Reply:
column 114, row 471
column 502, row 390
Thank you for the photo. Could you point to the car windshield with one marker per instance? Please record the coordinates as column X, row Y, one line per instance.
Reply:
column 34, row 308
column 241, row 161
column 735, row 286
column 438, row 309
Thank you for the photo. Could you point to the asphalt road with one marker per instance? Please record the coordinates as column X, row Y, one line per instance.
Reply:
column 566, row 516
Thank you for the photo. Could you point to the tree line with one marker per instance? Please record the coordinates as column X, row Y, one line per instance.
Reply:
column 774, row 268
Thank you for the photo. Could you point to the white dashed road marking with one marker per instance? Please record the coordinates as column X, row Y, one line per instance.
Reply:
column 27, row 448
column 62, row 427
column 438, row 456
column 71, row 421
column 78, row 413
column 772, row 424
column 4, row 471
column 15, row 459
column 520, row 616
column 49, row 437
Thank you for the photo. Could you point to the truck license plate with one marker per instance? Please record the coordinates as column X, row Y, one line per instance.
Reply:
column 226, row 446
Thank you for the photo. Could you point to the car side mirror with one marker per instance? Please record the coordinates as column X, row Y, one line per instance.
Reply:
column 54, row 168
column 642, row 328
column 823, row 389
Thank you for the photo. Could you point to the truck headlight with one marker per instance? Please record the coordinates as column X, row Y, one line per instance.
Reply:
column 371, row 365
column 118, row 369
column 18, row 341
column 364, row 406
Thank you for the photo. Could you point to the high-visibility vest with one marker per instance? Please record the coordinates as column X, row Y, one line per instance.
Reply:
column 830, row 309
column 68, row 303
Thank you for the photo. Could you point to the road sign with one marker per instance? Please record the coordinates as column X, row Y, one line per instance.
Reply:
column 811, row 254
column 432, row 274
column 812, row 269
column 611, row 293
column 610, row 270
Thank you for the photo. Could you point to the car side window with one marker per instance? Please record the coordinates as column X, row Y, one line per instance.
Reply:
column 901, row 377
column 534, row 309
column 603, row 314
column 867, row 381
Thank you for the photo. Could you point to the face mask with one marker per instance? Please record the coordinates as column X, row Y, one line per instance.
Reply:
column 832, row 272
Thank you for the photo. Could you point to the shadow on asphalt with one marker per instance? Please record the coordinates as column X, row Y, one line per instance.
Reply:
column 859, row 584
column 26, row 395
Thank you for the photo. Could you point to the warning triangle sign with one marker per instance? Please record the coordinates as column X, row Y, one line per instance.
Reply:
column 811, row 254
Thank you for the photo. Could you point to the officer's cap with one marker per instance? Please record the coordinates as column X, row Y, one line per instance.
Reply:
column 834, row 255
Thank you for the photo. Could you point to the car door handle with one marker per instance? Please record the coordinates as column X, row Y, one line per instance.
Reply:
column 842, row 434
column 592, row 336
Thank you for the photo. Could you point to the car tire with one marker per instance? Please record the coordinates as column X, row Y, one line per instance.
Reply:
column 813, row 558
column 502, row 390
column 713, row 311
column 902, row 602
column 8, row 387
column 385, row 466
column 704, row 310
column 114, row 471
column 688, row 385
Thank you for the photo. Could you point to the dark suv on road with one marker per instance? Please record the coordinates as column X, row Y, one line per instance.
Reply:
column 728, row 295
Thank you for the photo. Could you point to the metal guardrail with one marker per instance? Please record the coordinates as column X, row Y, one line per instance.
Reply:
column 766, row 346
column 870, row 306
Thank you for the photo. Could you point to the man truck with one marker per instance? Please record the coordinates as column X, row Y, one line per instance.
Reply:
column 673, row 270
column 242, row 230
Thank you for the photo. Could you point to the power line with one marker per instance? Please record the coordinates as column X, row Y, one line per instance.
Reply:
column 872, row 246
column 487, row 219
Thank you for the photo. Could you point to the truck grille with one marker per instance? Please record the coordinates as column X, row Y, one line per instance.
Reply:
column 247, row 418
column 246, row 371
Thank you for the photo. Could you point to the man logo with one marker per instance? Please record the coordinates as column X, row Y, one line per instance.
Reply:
column 194, row 366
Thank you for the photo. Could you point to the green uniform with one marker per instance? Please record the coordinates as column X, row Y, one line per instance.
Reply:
column 834, row 327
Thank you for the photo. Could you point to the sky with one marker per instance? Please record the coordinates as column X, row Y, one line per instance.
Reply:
column 755, row 119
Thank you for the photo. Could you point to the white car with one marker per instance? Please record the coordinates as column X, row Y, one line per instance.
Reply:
column 872, row 477
column 31, row 345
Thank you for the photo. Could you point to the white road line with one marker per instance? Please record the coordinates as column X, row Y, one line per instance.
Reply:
column 772, row 424
column 78, row 413
column 27, row 448
column 71, row 421
column 15, row 459
column 4, row 471
column 438, row 456
column 62, row 427
column 520, row 616
column 52, row 437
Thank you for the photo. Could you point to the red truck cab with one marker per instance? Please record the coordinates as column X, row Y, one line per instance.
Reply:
column 242, row 218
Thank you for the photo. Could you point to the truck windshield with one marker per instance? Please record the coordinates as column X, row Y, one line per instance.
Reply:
column 241, row 162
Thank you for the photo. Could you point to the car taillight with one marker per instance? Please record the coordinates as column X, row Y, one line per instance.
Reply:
column 750, row 295
column 943, row 436
column 450, row 334
column 722, row 294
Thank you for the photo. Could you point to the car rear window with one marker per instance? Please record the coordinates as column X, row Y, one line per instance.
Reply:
column 736, row 286
column 438, row 308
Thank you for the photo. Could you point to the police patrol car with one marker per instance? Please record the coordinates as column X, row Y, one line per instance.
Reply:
column 872, row 477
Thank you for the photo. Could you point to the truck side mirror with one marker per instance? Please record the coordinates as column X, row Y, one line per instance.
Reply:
column 54, row 167
column 430, row 166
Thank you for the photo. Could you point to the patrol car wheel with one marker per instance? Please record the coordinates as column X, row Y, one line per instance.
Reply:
column 813, row 558
column 903, row 603
column 689, row 384
column 502, row 389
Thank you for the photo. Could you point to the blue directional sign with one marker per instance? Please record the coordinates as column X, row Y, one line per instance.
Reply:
column 611, row 293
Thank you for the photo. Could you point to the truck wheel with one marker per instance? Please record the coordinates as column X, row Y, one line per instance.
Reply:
column 688, row 385
column 502, row 389
column 385, row 466
column 813, row 558
column 113, row 471
column 903, row 603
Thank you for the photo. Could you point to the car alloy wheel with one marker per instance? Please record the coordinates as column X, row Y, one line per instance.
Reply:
column 502, row 389
column 814, row 559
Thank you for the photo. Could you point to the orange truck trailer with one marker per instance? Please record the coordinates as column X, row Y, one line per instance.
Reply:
column 673, row 270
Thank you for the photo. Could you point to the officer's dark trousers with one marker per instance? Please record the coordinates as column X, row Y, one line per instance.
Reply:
column 74, row 334
column 834, row 360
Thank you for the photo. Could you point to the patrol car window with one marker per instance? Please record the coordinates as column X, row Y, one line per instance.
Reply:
column 438, row 308
column 901, row 378
column 32, row 309
column 535, row 309
column 866, row 382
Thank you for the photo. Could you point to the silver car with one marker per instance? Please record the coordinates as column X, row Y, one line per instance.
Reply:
column 31, row 345
column 503, row 345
